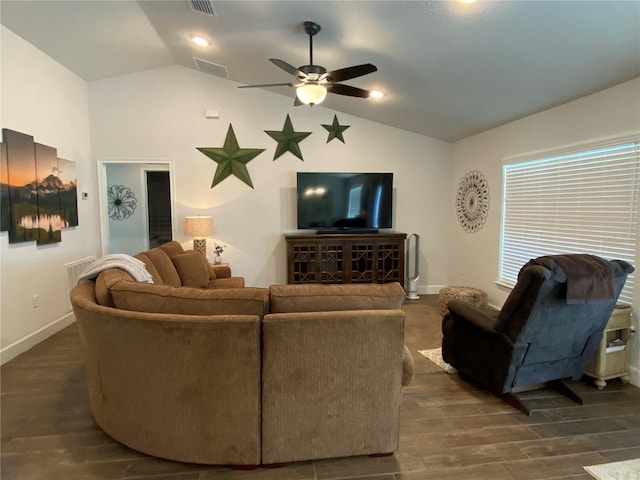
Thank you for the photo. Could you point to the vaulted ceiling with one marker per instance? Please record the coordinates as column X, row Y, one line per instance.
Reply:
column 447, row 69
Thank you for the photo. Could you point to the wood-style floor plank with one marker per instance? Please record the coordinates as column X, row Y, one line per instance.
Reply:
column 450, row 429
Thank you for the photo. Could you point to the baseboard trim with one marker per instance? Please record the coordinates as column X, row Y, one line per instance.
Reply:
column 634, row 376
column 429, row 289
column 20, row 346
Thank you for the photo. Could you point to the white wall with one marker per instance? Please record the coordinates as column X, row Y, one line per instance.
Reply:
column 160, row 114
column 129, row 235
column 474, row 257
column 43, row 99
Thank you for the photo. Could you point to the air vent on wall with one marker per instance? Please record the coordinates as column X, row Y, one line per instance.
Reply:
column 211, row 68
column 203, row 6
column 74, row 270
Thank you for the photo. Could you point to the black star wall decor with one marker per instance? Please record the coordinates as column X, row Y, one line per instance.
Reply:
column 335, row 130
column 231, row 159
column 287, row 139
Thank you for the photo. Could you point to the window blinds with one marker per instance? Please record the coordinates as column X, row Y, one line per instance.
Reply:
column 580, row 202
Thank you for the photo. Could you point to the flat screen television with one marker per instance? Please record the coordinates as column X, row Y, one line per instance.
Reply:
column 351, row 202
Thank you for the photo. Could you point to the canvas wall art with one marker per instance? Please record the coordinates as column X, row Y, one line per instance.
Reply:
column 68, row 192
column 5, row 213
column 38, row 190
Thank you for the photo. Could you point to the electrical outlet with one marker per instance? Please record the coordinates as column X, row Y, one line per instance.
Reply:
column 35, row 301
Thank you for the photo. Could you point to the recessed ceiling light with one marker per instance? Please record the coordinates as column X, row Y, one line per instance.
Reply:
column 203, row 42
column 376, row 94
column 467, row 1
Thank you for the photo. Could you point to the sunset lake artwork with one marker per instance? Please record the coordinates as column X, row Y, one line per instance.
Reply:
column 38, row 190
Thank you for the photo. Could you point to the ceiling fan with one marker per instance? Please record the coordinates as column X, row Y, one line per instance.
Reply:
column 313, row 81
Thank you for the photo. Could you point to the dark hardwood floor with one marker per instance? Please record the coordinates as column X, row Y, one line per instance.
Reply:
column 449, row 430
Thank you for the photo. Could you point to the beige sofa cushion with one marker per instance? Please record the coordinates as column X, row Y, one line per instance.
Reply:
column 145, row 297
column 172, row 248
column 193, row 269
column 107, row 279
column 317, row 298
column 151, row 268
column 164, row 266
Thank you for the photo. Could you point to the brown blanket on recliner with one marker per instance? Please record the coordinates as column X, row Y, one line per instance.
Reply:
column 589, row 278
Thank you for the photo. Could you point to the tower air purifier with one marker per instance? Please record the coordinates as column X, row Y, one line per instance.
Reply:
column 412, row 280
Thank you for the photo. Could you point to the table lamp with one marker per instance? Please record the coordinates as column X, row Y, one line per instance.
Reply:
column 199, row 227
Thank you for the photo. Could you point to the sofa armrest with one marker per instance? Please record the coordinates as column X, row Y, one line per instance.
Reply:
column 472, row 345
column 481, row 318
column 221, row 271
column 231, row 282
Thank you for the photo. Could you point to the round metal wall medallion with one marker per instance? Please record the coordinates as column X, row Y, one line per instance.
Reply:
column 472, row 201
column 122, row 202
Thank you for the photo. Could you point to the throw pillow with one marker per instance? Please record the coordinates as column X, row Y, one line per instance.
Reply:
column 192, row 269
column 210, row 269
column 106, row 280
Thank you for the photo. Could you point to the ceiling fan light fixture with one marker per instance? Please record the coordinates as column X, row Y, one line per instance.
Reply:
column 311, row 94
column 376, row 94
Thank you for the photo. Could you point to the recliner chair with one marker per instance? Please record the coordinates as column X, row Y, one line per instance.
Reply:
column 548, row 329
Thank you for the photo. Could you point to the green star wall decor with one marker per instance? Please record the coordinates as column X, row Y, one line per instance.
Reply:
column 287, row 139
column 335, row 130
column 231, row 159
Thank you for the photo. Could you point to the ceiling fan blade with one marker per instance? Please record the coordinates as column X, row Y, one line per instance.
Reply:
column 350, row 72
column 287, row 68
column 268, row 85
column 348, row 90
column 297, row 102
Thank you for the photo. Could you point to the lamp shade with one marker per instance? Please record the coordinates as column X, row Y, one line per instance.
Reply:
column 311, row 94
column 198, row 226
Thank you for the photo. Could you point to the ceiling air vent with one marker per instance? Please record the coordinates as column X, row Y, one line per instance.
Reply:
column 211, row 68
column 203, row 6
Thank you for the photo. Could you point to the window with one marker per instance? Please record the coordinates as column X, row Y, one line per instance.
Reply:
column 578, row 202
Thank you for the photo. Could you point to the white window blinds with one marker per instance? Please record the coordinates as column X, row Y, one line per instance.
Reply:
column 579, row 202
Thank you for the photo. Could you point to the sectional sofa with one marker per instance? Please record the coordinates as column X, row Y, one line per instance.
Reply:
column 198, row 368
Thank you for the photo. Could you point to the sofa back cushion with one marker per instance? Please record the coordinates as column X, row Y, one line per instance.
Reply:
column 318, row 298
column 172, row 248
column 146, row 297
column 151, row 268
column 192, row 268
column 164, row 266
column 105, row 281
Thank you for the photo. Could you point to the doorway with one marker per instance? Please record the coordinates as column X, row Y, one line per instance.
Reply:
column 136, row 204
column 158, row 208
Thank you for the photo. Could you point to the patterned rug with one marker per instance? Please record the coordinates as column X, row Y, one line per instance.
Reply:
column 627, row 470
column 435, row 355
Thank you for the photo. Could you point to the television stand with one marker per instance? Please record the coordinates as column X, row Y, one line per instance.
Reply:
column 353, row 257
column 349, row 231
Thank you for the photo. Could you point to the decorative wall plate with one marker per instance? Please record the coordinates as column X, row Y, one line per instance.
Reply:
column 122, row 202
column 472, row 201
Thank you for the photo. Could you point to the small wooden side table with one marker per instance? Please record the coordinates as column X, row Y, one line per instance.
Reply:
column 612, row 358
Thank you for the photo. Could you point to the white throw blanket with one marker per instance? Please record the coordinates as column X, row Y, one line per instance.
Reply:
column 134, row 267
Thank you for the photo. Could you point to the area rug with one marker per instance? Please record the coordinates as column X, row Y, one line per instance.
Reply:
column 627, row 470
column 435, row 355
